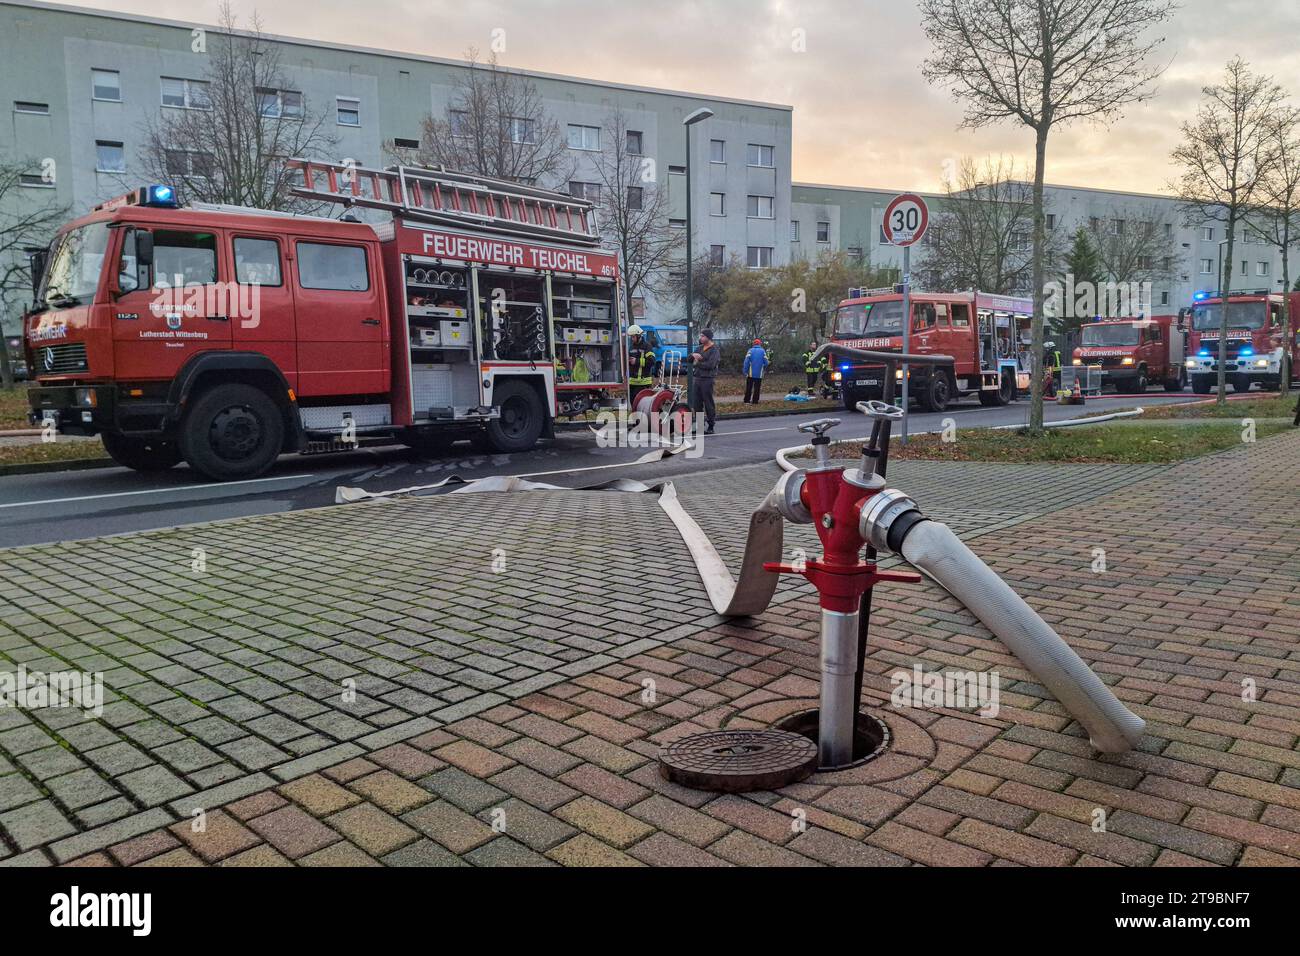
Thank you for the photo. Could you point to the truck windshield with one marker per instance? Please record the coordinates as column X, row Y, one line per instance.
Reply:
column 870, row 318
column 73, row 271
column 1241, row 315
column 1121, row 334
column 671, row 336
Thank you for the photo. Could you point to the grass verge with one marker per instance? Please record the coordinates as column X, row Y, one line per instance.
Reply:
column 13, row 407
column 1127, row 444
column 38, row 452
column 1271, row 406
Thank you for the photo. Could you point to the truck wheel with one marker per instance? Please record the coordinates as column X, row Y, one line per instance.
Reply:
column 232, row 432
column 937, row 394
column 141, row 454
column 1140, row 386
column 1178, row 382
column 1006, row 393
column 521, row 421
column 1201, row 384
column 1240, row 383
column 850, row 400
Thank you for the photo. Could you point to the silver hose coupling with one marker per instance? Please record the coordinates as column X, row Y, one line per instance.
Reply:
column 788, row 501
column 881, row 513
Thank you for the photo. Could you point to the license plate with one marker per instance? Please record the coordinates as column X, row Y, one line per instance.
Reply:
column 867, row 381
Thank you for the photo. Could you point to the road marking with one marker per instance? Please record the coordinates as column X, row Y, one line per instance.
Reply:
column 154, row 491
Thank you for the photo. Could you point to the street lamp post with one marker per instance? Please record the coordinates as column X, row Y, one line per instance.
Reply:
column 690, row 120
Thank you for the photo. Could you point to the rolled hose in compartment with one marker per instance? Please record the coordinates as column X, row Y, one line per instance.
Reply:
column 933, row 548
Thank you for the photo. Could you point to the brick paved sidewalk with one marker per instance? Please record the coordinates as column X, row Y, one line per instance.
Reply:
column 501, row 718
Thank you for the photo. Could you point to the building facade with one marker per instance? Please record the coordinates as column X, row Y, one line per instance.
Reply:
column 81, row 85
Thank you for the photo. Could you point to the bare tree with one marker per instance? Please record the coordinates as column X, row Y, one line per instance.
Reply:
column 1276, row 220
column 1134, row 246
column 1043, row 63
column 26, row 222
column 497, row 125
column 231, row 132
column 981, row 236
column 1225, row 156
column 633, row 210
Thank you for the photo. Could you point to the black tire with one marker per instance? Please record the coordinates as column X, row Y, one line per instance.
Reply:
column 232, row 432
column 851, row 400
column 1178, row 382
column 1201, row 384
column 1006, row 393
column 1240, row 383
column 522, row 418
column 937, row 393
column 141, row 454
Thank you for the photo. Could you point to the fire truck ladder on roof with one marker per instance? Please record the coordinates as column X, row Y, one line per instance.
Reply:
column 453, row 199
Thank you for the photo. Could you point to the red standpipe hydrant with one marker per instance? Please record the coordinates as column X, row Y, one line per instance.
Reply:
column 833, row 498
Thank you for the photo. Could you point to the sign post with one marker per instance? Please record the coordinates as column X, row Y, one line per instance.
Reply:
column 906, row 219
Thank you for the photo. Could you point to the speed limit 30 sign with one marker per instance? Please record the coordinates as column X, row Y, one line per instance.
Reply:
column 906, row 218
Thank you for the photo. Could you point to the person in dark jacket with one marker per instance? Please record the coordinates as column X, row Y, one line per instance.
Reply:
column 755, row 364
column 706, row 362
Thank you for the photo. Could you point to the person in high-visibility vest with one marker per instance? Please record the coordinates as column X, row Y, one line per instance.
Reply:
column 1051, row 368
column 814, row 368
column 641, row 364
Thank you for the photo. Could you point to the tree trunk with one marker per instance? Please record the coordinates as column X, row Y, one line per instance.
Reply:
column 1225, row 289
column 1288, row 337
column 6, row 368
column 1040, row 241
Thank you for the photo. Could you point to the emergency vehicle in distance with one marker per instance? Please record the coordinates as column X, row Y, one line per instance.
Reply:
column 1133, row 353
column 1254, row 344
column 225, row 336
column 988, row 337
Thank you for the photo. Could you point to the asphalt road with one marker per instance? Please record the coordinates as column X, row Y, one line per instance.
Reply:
column 70, row 505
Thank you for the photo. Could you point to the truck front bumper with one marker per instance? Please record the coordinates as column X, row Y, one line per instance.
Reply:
column 74, row 409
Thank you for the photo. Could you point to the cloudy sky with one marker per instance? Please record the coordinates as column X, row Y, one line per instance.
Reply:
column 863, row 114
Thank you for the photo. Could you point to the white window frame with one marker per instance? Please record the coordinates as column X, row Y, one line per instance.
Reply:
column 1261, row 269
column 759, row 250
column 528, row 127
column 827, row 230
column 347, row 104
column 109, row 143
column 104, row 99
column 188, row 86
column 771, row 154
column 279, row 104
column 1207, row 234
column 754, row 207
column 640, row 142
column 794, row 230
column 722, row 143
column 1207, row 267
column 583, row 137
column 587, row 189
column 722, row 204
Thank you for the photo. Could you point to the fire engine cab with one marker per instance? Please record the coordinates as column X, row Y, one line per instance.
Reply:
column 1255, row 343
column 224, row 336
column 1132, row 353
column 987, row 335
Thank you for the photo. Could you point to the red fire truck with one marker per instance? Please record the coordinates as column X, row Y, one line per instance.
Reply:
column 224, row 336
column 1255, row 344
column 987, row 335
column 1132, row 353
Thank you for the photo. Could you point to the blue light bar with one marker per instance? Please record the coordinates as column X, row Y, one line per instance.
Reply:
column 159, row 195
column 1203, row 353
column 1200, row 296
column 1246, row 351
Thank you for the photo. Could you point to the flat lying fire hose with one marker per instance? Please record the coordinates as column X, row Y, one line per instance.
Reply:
column 928, row 545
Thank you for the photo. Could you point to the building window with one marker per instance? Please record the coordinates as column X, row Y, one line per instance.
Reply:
column 717, row 150
column 109, row 157
column 582, row 190
column 185, row 94
column 106, row 85
column 717, row 255
column 1261, row 268
column 188, row 162
column 584, row 137
column 823, row 232
column 855, row 253
column 1117, row 227
column 348, row 110
column 758, row 257
column 1207, row 266
column 36, row 109
column 1207, row 233
column 1169, row 230
column 794, row 230
column 279, row 104
column 717, row 204
column 1051, row 220
column 1164, row 298
column 638, row 307
column 35, row 181
column 635, row 197
column 677, row 223
column 523, row 131
column 400, row 143
column 758, row 207
column 677, row 170
column 759, row 155
column 458, row 122
column 634, row 142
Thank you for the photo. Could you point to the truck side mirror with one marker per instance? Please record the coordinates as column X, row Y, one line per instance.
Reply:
column 143, row 247
column 36, row 262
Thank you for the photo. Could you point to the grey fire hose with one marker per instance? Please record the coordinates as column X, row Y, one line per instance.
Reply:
column 894, row 524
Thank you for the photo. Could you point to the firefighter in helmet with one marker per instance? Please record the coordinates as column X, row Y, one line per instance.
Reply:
column 1051, row 368
column 641, row 364
column 813, row 368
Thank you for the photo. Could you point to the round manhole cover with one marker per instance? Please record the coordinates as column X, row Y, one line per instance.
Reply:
column 735, row 761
